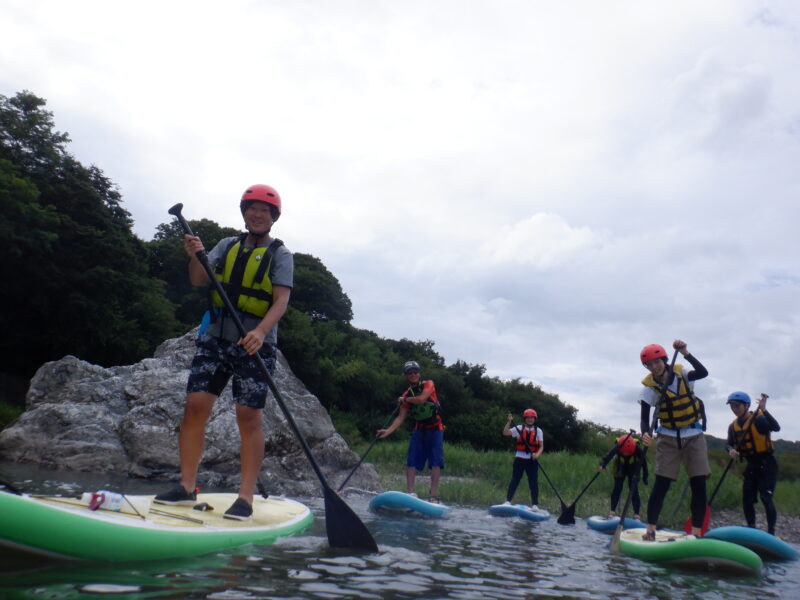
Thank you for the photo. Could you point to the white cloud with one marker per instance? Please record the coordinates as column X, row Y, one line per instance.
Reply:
column 539, row 188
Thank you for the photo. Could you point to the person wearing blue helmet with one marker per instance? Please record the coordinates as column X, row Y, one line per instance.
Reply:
column 749, row 440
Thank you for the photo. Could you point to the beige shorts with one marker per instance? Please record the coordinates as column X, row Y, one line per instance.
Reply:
column 693, row 454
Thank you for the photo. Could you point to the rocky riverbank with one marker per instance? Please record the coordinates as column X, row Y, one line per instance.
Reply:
column 787, row 527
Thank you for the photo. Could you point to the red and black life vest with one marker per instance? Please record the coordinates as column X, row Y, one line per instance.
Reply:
column 526, row 439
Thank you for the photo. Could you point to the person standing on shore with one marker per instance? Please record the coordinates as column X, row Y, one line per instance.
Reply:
column 426, row 444
column 529, row 445
column 749, row 438
column 256, row 272
column 681, row 418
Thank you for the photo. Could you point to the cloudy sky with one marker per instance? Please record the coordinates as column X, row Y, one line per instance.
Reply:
column 540, row 187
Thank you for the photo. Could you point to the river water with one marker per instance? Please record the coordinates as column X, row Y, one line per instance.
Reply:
column 469, row 555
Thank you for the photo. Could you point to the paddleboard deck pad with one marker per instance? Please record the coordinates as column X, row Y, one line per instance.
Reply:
column 676, row 549
column 400, row 503
column 762, row 543
column 62, row 528
column 608, row 525
column 518, row 510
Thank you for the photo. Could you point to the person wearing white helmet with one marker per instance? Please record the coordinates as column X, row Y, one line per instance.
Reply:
column 256, row 272
column 749, row 438
column 528, row 446
column 426, row 444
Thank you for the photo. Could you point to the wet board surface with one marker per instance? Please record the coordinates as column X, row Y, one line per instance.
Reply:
column 66, row 528
column 518, row 510
column 401, row 503
column 679, row 550
column 762, row 543
column 607, row 525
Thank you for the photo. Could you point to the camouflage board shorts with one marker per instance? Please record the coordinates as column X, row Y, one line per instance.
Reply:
column 217, row 360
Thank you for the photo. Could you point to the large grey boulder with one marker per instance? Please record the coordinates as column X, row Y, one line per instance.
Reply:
column 126, row 419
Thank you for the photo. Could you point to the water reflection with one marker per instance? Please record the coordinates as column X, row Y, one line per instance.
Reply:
column 468, row 556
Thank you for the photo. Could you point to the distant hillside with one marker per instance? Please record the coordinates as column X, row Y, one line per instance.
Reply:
column 781, row 446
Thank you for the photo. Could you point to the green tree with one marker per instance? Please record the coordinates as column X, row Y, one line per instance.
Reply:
column 168, row 263
column 75, row 276
column 317, row 292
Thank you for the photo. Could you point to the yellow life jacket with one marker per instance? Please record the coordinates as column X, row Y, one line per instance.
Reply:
column 677, row 410
column 244, row 275
column 749, row 440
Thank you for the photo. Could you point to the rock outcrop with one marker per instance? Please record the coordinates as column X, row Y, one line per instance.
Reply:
column 126, row 419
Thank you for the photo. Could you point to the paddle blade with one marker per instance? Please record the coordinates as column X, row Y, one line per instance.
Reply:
column 615, row 539
column 568, row 516
column 687, row 527
column 344, row 528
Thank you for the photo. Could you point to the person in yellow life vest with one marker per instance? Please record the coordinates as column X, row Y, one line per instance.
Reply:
column 681, row 422
column 426, row 444
column 627, row 454
column 256, row 272
column 528, row 446
column 749, row 439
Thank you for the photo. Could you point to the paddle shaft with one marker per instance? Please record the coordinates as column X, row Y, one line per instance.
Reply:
column 546, row 476
column 637, row 469
column 371, row 444
column 567, row 516
column 688, row 525
column 329, row 493
column 596, row 475
column 737, row 447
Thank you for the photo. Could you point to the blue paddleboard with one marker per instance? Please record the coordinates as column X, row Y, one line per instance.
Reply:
column 401, row 503
column 760, row 542
column 609, row 525
column 518, row 510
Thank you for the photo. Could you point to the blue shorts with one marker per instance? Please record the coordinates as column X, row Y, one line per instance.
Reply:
column 217, row 360
column 426, row 445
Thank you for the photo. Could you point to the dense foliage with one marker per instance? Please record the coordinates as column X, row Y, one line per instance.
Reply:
column 76, row 280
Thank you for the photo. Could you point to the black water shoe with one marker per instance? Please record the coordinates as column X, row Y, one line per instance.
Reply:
column 239, row 510
column 177, row 496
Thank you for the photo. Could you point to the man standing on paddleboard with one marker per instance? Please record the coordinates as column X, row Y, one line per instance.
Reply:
column 749, row 438
column 256, row 272
column 681, row 419
column 426, row 444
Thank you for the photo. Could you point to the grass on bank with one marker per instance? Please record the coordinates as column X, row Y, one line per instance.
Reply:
column 480, row 478
column 8, row 412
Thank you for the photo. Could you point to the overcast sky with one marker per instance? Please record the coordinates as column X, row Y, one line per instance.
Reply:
column 540, row 187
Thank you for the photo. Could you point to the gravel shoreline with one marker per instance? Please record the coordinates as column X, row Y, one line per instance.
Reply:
column 787, row 528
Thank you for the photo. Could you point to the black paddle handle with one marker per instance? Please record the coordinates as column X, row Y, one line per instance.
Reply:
column 203, row 258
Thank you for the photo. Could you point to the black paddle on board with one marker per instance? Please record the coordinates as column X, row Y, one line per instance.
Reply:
column 555, row 491
column 344, row 528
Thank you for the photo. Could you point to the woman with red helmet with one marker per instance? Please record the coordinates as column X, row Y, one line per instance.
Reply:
column 681, row 422
column 257, row 274
column 627, row 454
column 529, row 444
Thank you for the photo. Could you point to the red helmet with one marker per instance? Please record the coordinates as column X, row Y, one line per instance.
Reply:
column 529, row 412
column 628, row 447
column 652, row 351
column 261, row 193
